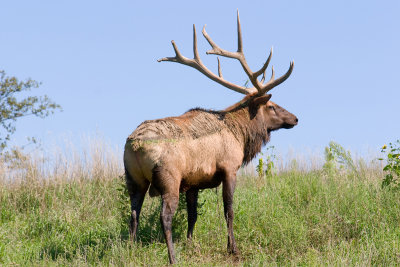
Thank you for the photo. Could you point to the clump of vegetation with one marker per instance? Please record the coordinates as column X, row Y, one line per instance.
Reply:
column 266, row 168
column 338, row 157
column 392, row 177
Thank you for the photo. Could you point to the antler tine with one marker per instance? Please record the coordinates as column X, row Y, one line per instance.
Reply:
column 177, row 58
column 239, row 29
column 263, row 77
column 264, row 68
column 272, row 82
column 272, row 74
column 195, row 52
column 219, row 68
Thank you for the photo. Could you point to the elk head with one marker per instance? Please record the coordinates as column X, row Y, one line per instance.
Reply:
column 274, row 115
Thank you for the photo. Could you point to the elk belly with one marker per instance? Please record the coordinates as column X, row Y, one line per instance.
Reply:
column 205, row 161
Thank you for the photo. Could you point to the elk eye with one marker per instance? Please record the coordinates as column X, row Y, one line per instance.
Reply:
column 272, row 107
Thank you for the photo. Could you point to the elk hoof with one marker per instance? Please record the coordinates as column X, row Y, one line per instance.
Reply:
column 233, row 250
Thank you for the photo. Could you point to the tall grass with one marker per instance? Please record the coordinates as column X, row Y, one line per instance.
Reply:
column 71, row 208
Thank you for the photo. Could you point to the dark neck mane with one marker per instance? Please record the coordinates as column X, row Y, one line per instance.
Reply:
column 249, row 128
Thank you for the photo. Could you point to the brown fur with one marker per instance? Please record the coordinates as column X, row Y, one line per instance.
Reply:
column 199, row 149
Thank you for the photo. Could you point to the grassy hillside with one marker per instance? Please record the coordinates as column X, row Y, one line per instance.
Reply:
column 75, row 211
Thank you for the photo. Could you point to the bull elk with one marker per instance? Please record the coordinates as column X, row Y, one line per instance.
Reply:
column 202, row 148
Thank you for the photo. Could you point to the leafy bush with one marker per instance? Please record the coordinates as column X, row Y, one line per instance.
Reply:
column 393, row 165
column 266, row 168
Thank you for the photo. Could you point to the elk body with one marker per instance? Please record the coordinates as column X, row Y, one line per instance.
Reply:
column 202, row 148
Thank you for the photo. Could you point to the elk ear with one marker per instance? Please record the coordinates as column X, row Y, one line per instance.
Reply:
column 256, row 103
column 261, row 100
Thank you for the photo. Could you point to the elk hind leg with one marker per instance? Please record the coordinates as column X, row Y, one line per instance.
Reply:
column 168, row 208
column 191, row 204
column 137, row 192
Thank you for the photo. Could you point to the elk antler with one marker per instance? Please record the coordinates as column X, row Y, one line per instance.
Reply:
column 259, row 86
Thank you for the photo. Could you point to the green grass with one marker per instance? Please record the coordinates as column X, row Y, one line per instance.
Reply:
column 293, row 218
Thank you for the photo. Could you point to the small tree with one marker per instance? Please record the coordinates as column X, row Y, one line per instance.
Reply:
column 13, row 105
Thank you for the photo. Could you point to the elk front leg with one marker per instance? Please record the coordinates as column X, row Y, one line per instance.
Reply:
column 228, row 188
column 169, row 205
column 191, row 204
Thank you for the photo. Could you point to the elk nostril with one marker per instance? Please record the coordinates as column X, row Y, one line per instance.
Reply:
column 297, row 120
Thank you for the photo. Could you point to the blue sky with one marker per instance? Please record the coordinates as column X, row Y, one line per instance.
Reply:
column 97, row 59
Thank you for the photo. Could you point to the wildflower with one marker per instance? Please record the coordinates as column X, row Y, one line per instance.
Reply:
column 384, row 147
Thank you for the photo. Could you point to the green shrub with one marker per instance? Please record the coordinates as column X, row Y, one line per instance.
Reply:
column 267, row 167
column 392, row 167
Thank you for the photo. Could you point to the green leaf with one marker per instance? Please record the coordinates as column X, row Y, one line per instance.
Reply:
column 386, row 168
